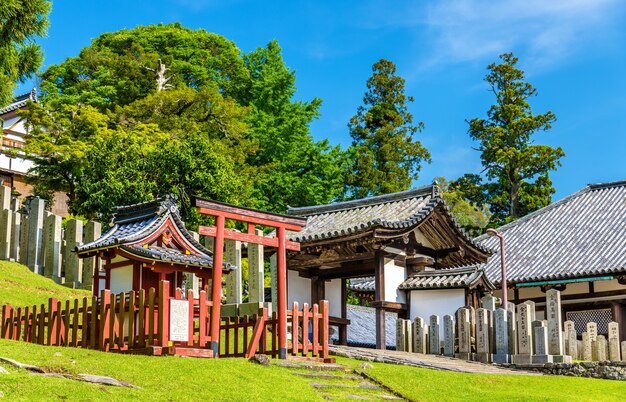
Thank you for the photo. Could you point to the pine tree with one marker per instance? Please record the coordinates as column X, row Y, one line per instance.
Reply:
column 516, row 170
column 20, row 21
column 387, row 157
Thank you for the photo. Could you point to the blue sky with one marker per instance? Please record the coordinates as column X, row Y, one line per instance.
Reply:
column 573, row 52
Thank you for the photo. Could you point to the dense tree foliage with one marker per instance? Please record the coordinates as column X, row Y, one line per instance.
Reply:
column 20, row 57
column 387, row 157
column 224, row 126
column 516, row 170
column 473, row 218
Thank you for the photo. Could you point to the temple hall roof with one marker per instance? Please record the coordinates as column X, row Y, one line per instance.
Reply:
column 19, row 102
column 582, row 235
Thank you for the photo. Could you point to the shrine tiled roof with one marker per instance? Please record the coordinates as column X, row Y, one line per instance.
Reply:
column 133, row 223
column 582, row 235
column 453, row 278
column 19, row 102
column 366, row 284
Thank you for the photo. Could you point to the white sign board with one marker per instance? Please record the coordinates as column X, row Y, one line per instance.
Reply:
column 179, row 320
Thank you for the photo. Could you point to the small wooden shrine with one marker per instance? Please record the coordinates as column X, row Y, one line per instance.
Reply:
column 146, row 243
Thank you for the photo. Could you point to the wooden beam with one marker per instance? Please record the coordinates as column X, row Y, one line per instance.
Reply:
column 379, row 278
column 214, row 208
column 318, row 262
column 247, row 237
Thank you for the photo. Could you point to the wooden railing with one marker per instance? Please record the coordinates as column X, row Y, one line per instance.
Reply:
column 142, row 320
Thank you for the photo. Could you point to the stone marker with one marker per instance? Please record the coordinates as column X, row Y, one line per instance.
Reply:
column 419, row 336
column 93, row 230
column 36, row 213
column 533, row 325
column 540, row 333
column 73, row 264
column 400, row 335
column 274, row 279
column 488, row 302
column 623, row 347
column 52, row 252
column 5, row 198
column 532, row 310
column 555, row 330
column 524, row 335
column 571, row 342
column 587, row 354
column 501, row 337
column 483, row 351
column 512, row 323
column 6, row 223
column 601, row 348
column 592, row 331
column 15, row 236
column 232, row 254
column 614, row 348
column 256, row 273
column 23, row 257
column 433, row 331
column 463, row 324
column 408, row 336
column 448, row 335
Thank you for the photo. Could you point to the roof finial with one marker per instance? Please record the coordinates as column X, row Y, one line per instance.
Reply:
column 435, row 188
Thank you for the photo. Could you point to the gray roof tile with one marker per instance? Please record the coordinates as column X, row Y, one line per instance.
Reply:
column 19, row 102
column 445, row 279
column 579, row 236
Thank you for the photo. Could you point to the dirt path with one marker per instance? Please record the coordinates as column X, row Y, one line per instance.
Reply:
column 421, row 360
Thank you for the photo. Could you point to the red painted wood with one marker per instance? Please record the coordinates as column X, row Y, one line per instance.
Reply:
column 52, row 321
column 282, row 290
column 256, row 217
column 164, row 313
column 4, row 324
column 202, row 318
column 247, row 237
column 94, row 323
column 191, row 318
column 324, row 330
column 151, row 314
column 111, row 330
column 85, row 323
column 105, row 316
column 315, row 316
column 295, row 346
column 218, row 255
column 257, row 332
column 132, row 322
column 141, row 319
column 121, row 318
column 305, row 329
column 75, row 317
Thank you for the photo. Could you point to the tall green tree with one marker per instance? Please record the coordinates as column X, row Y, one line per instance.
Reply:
column 387, row 156
column 20, row 57
column 293, row 168
column 516, row 170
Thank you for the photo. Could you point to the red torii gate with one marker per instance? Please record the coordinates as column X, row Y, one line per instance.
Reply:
column 282, row 223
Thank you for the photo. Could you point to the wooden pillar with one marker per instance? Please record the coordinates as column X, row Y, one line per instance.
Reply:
column 343, row 329
column 282, row 293
column 216, row 292
column 379, row 280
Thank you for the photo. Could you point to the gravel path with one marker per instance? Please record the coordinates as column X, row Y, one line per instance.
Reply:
column 421, row 360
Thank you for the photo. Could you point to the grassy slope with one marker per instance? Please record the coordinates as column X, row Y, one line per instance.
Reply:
column 167, row 378
column 19, row 287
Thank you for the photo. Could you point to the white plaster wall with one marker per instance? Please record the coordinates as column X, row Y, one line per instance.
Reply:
column 332, row 292
column 298, row 289
column 121, row 279
column 394, row 276
column 15, row 164
column 425, row 303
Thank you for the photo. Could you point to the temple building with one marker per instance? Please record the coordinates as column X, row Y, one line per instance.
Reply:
column 407, row 241
column 14, row 163
column 576, row 245
column 146, row 243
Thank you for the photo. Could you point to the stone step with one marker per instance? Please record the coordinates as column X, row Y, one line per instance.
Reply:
column 363, row 385
column 329, row 376
column 311, row 366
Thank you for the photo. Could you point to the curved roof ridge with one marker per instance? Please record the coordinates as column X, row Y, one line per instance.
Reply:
column 346, row 205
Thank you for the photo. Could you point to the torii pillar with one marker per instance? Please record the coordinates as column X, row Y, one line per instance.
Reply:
column 251, row 217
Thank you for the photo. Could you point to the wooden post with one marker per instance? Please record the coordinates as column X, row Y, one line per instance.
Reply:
column 164, row 313
column 218, row 255
column 324, row 332
column 343, row 329
column 381, row 341
column 282, row 293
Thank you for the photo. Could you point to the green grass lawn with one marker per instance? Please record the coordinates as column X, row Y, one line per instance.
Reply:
column 19, row 287
column 189, row 379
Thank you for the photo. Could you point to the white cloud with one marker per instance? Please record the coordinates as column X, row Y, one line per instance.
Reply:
column 547, row 31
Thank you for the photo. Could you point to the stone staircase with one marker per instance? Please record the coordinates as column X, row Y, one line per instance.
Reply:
column 336, row 382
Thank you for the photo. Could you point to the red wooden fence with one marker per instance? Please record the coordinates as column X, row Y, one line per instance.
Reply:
column 139, row 321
